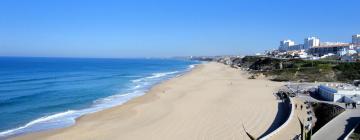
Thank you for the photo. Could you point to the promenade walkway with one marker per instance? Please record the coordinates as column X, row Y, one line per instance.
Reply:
column 292, row 129
column 339, row 127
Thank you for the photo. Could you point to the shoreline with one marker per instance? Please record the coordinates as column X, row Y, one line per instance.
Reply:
column 134, row 117
column 139, row 89
column 182, row 73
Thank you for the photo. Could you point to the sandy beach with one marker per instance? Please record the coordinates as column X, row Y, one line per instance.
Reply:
column 213, row 101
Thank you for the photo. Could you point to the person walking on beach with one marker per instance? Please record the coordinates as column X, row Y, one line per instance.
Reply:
column 301, row 106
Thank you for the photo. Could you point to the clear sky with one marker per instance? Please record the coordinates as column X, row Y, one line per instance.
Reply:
column 162, row 28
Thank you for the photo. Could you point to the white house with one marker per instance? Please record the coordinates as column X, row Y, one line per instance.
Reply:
column 339, row 93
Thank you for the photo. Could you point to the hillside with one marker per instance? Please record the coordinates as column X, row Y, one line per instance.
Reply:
column 301, row 70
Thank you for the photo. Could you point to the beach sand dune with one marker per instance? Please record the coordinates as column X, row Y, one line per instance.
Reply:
column 212, row 102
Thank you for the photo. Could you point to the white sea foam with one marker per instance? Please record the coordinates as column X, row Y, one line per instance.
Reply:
column 67, row 118
column 47, row 119
column 137, row 80
column 157, row 75
column 191, row 66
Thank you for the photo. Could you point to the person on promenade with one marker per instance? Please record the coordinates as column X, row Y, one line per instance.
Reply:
column 353, row 105
column 346, row 105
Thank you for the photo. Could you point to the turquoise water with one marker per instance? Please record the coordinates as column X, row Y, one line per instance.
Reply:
column 45, row 93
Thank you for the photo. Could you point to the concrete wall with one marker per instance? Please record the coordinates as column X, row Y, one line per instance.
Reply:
column 338, row 97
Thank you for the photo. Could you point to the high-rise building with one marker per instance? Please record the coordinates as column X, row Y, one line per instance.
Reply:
column 311, row 42
column 286, row 44
column 356, row 39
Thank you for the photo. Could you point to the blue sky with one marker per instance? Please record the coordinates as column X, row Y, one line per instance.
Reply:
column 163, row 28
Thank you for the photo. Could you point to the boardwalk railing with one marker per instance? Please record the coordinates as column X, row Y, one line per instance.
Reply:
column 351, row 132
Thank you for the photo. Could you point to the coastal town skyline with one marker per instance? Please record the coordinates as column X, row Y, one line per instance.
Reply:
column 164, row 29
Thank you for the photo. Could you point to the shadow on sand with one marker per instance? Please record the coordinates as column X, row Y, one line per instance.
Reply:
column 284, row 110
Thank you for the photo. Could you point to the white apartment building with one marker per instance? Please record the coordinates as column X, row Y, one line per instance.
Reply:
column 313, row 46
column 356, row 39
column 289, row 45
column 285, row 45
column 337, row 49
column 332, row 43
column 311, row 42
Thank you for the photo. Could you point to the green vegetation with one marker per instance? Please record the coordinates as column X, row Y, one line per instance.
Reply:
column 303, row 70
column 348, row 71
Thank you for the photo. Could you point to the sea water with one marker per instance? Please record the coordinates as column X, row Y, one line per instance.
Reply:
column 45, row 93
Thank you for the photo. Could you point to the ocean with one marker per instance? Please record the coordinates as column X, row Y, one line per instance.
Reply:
column 45, row 93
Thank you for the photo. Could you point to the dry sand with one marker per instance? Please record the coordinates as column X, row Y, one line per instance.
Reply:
column 213, row 101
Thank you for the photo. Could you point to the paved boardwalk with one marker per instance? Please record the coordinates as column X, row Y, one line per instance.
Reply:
column 339, row 127
column 292, row 129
